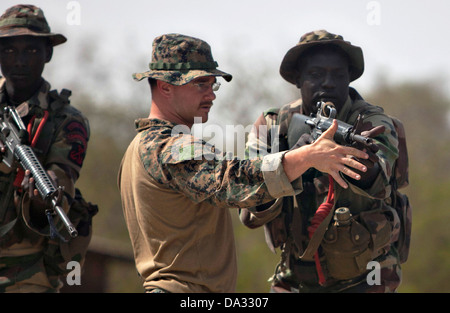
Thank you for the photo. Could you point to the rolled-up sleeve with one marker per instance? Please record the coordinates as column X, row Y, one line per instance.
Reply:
column 275, row 177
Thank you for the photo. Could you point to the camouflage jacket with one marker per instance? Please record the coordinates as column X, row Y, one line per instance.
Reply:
column 61, row 148
column 289, row 229
column 176, row 193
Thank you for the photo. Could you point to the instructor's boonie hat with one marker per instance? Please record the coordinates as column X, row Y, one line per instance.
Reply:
column 27, row 20
column 177, row 59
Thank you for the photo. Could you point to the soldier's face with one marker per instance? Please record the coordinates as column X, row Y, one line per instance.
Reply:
column 194, row 100
column 323, row 76
column 22, row 60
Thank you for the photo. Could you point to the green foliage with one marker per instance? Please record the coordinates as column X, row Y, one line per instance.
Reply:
column 256, row 263
column 424, row 110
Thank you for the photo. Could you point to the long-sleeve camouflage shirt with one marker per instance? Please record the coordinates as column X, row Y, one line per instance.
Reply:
column 176, row 193
column 61, row 148
column 288, row 230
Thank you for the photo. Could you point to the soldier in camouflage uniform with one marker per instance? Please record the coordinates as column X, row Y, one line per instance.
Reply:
column 30, row 259
column 322, row 65
column 177, row 190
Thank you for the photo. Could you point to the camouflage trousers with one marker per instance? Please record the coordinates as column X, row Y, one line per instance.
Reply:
column 26, row 274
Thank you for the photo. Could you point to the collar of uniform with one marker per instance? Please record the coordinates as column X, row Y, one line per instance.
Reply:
column 2, row 91
column 36, row 104
column 343, row 113
column 145, row 123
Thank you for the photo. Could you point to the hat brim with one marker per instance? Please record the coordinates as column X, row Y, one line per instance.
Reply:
column 54, row 39
column 180, row 77
column 288, row 68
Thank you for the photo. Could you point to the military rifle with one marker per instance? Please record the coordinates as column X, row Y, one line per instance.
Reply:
column 318, row 123
column 13, row 134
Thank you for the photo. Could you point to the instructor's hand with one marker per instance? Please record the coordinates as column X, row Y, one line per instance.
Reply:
column 326, row 156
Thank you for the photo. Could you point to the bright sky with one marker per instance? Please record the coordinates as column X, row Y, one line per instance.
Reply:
column 405, row 39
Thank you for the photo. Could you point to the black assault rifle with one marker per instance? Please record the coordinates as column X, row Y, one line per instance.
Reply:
column 318, row 123
column 13, row 134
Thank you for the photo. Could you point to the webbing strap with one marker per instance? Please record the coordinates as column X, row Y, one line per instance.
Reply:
column 319, row 232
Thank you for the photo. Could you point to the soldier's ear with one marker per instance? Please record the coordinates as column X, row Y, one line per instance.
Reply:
column 164, row 88
column 298, row 81
column 49, row 53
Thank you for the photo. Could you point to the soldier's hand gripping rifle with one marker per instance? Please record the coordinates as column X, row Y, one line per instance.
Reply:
column 318, row 123
column 13, row 134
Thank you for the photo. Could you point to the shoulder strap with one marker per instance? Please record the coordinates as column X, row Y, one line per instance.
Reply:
column 285, row 115
column 401, row 166
column 284, row 119
column 316, row 239
column 57, row 101
column 363, row 106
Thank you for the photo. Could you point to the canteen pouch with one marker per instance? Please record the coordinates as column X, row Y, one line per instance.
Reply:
column 347, row 250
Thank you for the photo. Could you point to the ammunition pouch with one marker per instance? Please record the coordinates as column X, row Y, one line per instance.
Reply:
column 58, row 253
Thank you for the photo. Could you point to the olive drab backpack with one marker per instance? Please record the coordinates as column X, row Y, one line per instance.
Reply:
column 400, row 200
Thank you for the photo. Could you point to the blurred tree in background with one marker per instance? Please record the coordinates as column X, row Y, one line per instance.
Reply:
column 422, row 106
column 424, row 109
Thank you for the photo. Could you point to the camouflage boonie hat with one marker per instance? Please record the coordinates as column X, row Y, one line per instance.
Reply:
column 27, row 20
column 288, row 68
column 177, row 59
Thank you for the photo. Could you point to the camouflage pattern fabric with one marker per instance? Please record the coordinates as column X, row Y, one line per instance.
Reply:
column 288, row 230
column 288, row 68
column 29, row 260
column 27, row 20
column 178, row 59
column 176, row 193
column 178, row 162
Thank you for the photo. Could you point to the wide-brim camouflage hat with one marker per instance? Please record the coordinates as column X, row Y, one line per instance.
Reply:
column 178, row 59
column 288, row 68
column 27, row 20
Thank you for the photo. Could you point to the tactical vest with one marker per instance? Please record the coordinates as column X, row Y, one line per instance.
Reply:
column 11, row 181
column 57, row 253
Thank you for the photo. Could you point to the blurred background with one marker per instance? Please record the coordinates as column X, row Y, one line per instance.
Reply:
column 407, row 72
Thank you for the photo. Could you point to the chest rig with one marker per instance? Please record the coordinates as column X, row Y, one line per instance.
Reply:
column 41, row 119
